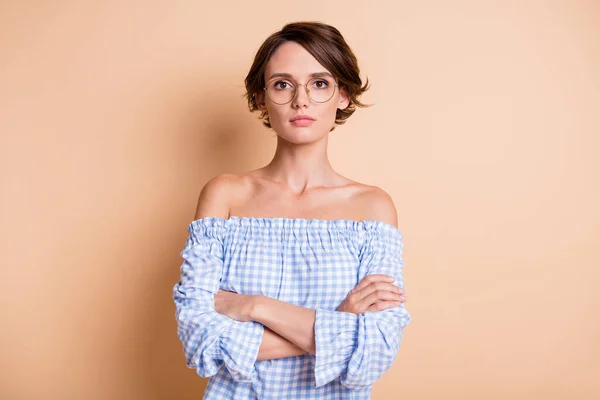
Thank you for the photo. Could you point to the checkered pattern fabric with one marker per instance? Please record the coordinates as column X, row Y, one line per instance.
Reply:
column 310, row 263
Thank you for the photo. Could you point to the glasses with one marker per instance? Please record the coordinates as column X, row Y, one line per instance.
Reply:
column 282, row 91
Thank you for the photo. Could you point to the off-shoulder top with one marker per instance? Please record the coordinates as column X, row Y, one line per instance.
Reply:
column 309, row 263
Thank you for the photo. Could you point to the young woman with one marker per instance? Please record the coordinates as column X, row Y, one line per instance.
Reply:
column 291, row 285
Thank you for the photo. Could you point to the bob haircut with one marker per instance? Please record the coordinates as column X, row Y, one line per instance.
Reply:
column 328, row 47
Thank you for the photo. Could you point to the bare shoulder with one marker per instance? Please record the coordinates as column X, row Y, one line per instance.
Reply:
column 217, row 195
column 378, row 205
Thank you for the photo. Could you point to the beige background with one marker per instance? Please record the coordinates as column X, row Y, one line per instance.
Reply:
column 485, row 131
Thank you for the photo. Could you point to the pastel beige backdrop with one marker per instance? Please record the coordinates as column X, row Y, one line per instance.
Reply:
column 485, row 130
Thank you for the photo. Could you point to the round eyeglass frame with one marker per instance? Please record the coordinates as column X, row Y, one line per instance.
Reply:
column 307, row 92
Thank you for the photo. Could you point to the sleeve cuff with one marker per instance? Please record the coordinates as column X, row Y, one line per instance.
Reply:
column 240, row 344
column 335, row 341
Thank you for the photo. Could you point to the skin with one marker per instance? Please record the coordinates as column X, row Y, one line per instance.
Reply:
column 299, row 182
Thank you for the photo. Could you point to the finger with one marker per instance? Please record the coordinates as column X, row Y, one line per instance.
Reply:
column 379, row 286
column 367, row 280
column 378, row 296
column 384, row 305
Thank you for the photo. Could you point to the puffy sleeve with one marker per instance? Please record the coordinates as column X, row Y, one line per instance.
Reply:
column 360, row 348
column 211, row 339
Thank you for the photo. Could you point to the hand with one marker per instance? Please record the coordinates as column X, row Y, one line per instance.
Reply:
column 374, row 293
column 235, row 306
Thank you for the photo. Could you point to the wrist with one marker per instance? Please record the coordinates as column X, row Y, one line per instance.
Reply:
column 255, row 302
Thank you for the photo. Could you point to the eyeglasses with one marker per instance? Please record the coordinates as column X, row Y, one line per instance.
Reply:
column 282, row 91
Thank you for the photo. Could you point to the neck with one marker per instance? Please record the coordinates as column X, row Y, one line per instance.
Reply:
column 302, row 166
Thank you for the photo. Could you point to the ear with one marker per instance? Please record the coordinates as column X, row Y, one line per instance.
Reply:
column 344, row 99
column 259, row 99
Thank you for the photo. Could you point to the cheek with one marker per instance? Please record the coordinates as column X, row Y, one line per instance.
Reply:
column 274, row 114
column 329, row 112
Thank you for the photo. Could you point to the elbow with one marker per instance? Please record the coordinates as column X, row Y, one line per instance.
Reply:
column 359, row 381
column 204, row 367
column 208, row 349
column 211, row 368
column 201, row 370
column 374, row 356
column 366, row 378
column 367, row 374
column 200, row 344
column 199, row 355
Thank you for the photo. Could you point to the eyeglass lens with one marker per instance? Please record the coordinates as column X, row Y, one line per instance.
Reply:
column 282, row 91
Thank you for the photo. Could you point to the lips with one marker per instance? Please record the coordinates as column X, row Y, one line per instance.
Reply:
column 301, row 117
column 302, row 120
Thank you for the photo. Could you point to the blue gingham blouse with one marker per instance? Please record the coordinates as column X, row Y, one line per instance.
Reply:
column 309, row 263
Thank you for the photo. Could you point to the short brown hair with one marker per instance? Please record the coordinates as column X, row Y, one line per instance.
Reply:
column 327, row 45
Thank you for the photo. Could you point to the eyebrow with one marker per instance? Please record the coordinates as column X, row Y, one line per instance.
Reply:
column 313, row 75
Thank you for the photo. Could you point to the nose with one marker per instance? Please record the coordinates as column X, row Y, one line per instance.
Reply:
column 301, row 97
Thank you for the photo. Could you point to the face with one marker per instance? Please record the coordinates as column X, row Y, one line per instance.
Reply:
column 292, row 65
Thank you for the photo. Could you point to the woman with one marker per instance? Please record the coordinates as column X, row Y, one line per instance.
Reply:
column 291, row 285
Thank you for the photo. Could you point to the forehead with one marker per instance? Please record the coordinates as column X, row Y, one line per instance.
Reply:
column 291, row 58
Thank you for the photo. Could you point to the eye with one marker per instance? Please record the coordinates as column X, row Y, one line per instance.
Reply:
column 281, row 85
column 320, row 84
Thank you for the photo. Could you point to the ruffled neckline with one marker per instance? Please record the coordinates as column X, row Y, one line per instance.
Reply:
column 294, row 224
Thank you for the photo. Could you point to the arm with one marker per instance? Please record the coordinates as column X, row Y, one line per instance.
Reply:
column 214, row 200
column 291, row 327
column 294, row 323
column 274, row 346
column 374, row 293
column 358, row 349
column 211, row 340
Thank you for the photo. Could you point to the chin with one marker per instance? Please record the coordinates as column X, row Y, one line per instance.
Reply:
column 302, row 135
column 299, row 135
